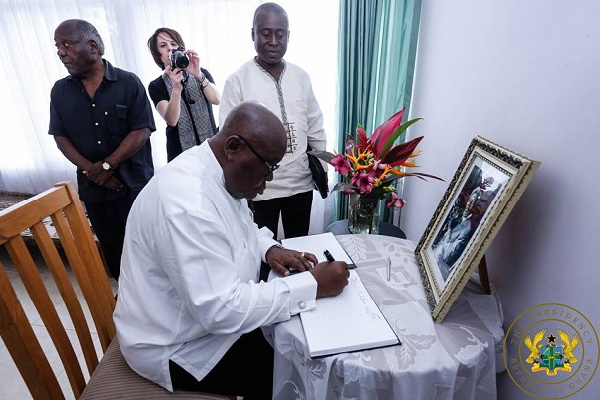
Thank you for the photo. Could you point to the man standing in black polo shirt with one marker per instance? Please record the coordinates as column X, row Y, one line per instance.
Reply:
column 101, row 120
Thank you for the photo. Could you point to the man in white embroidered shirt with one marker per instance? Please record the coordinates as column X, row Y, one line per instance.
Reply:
column 190, row 309
column 286, row 90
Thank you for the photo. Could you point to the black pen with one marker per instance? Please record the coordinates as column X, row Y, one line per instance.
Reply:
column 328, row 256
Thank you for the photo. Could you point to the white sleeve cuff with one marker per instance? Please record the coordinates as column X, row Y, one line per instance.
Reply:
column 303, row 289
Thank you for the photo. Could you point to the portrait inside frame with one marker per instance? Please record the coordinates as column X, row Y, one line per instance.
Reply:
column 488, row 182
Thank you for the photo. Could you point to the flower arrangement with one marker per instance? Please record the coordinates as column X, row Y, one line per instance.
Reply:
column 370, row 166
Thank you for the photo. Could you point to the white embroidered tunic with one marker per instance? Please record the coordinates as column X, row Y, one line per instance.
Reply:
column 293, row 101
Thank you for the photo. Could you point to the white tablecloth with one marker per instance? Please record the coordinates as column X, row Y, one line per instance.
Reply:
column 457, row 359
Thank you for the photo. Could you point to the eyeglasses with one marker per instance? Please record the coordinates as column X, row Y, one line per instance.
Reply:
column 270, row 167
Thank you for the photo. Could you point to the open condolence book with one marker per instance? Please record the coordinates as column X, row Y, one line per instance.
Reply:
column 348, row 322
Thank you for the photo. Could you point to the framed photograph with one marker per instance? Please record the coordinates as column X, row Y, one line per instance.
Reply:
column 489, row 181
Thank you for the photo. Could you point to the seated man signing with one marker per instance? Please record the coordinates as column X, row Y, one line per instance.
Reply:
column 190, row 306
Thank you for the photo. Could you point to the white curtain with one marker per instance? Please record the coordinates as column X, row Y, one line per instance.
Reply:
column 218, row 29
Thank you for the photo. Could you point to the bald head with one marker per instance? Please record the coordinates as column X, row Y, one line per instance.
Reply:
column 268, row 8
column 255, row 122
column 248, row 147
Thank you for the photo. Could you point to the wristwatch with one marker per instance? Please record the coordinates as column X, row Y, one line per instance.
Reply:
column 106, row 166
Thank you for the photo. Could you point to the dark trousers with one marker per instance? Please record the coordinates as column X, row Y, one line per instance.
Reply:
column 108, row 219
column 245, row 370
column 295, row 217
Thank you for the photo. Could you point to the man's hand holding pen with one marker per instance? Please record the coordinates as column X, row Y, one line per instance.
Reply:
column 341, row 274
column 331, row 276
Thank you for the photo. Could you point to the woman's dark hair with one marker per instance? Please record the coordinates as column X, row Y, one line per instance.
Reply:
column 154, row 48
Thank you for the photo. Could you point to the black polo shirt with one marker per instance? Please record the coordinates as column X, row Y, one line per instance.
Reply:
column 97, row 126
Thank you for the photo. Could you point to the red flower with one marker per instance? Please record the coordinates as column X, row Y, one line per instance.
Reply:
column 371, row 165
column 341, row 164
column 364, row 144
column 395, row 201
column 363, row 181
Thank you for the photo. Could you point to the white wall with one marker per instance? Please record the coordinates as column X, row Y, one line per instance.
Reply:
column 525, row 74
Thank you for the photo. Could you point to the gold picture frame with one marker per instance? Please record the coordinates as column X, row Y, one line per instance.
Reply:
column 489, row 181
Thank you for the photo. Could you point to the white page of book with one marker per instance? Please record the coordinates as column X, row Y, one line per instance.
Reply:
column 317, row 244
column 350, row 321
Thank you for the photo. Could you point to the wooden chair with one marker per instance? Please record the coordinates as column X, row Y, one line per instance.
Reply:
column 111, row 378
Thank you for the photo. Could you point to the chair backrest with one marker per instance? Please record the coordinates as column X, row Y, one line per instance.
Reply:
column 83, row 262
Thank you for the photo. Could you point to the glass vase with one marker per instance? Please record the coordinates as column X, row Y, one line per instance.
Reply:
column 363, row 214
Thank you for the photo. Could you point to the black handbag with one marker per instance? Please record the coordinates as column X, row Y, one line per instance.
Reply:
column 318, row 173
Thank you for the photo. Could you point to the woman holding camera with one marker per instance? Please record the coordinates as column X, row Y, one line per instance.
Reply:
column 184, row 94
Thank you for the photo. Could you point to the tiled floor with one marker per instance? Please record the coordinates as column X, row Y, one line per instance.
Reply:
column 11, row 383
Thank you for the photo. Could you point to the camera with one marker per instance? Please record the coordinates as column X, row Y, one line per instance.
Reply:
column 178, row 59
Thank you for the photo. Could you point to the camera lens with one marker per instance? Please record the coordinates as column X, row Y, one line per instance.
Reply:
column 182, row 61
column 178, row 59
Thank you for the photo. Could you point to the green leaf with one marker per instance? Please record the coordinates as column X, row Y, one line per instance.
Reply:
column 323, row 155
column 399, row 130
column 344, row 186
column 423, row 175
column 390, row 178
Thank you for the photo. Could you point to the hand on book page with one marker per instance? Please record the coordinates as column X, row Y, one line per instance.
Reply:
column 284, row 261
